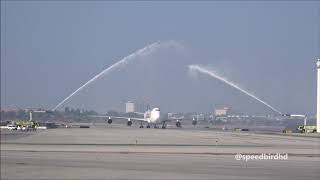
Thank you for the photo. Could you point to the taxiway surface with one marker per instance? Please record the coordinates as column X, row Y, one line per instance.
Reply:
column 133, row 153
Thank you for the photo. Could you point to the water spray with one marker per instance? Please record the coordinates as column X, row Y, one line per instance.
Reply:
column 198, row 68
column 141, row 52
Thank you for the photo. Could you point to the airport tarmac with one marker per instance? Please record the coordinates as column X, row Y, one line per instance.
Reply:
column 120, row 152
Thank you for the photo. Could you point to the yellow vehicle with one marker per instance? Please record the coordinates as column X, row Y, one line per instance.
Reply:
column 27, row 123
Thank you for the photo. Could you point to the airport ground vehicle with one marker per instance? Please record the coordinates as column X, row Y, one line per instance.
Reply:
column 307, row 129
column 12, row 127
column 27, row 124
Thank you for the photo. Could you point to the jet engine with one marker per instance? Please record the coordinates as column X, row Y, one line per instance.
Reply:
column 129, row 123
column 109, row 120
column 178, row 124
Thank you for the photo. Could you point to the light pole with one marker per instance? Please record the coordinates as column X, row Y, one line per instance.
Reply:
column 318, row 95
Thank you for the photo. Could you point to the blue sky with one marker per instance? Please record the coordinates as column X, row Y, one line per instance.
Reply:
column 48, row 49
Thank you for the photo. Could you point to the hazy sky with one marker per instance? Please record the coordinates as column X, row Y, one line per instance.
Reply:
column 48, row 49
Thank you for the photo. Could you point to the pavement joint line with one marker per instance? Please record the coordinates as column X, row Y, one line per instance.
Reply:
column 157, row 152
column 161, row 145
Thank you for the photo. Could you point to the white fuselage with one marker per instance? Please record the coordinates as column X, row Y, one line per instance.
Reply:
column 152, row 116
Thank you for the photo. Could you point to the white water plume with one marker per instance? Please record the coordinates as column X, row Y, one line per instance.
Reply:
column 204, row 70
column 141, row 52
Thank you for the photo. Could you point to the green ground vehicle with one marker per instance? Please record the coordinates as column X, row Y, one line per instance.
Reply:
column 307, row 129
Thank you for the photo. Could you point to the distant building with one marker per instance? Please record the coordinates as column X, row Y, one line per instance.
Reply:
column 130, row 107
column 222, row 112
column 141, row 107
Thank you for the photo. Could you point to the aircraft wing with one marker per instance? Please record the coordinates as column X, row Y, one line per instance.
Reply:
column 119, row 117
column 139, row 113
column 174, row 118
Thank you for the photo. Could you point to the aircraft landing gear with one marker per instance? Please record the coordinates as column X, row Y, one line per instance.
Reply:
column 141, row 125
column 164, row 126
column 148, row 126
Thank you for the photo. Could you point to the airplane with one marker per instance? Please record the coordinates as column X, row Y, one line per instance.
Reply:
column 151, row 117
